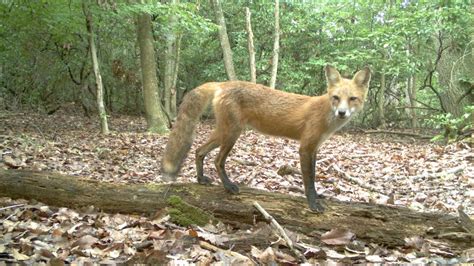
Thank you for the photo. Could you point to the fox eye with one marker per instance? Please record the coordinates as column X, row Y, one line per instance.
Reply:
column 336, row 98
column 353, row 98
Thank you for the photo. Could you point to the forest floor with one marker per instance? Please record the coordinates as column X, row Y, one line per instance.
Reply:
column 377, row 168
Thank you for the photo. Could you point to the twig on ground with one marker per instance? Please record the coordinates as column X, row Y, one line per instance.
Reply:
column 163, row 219
column 361, row 155
column 9, row 216
column 12, row 207
column 39, row 130
column 397, row 133
column 279, row 229
column 466, row 222
column 453, row 171
column 240, row 257
column 290, row 170
column 167, row 190
column 143, row 245
column 358, row 182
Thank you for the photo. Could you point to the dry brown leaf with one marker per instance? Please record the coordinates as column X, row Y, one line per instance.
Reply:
column 284, row 258
column 268, row 256
column 85, row 242
column 19, row 256
column 414, row 242
column 255, row 252
column 10, row 162
column 334, row 254
column 193, row 233
column 374, row 259
column 468, row 254
column 337, row 237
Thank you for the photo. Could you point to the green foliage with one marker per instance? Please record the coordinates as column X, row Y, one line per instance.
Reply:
column 186, row 16
column 452, row 128
column 36, row 37
column 44, row 55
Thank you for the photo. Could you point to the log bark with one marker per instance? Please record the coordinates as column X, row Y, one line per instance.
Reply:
column 380, row 224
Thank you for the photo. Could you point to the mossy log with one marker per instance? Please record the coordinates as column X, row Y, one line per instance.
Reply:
column 384, row 225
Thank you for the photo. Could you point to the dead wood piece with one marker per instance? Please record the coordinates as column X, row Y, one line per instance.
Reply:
column 12, row 207
column 279, row 229
column 240, row 258
column 144, row 245
column 244, row 240
column 452, row 171
column 465, row 221
column 356, row 181
column 245, row 162
column 397, row 133
column 379, row 224
column 288, row 170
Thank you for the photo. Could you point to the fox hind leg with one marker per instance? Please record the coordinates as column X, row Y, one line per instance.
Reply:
column 201, row 153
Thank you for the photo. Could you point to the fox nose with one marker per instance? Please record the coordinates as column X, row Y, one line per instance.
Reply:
column 341, row 113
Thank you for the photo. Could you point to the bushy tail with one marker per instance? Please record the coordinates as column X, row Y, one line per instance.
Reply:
column 181, row 137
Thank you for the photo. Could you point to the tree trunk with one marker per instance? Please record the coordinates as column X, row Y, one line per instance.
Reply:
column 276, row 46
column 174, row 89
column 412, row 91
column 251, row 47
column 379, row 224
column 104, row 127
column 412, row 97
column 410, row 94
column 155, row 117
column 168, row 74
column 224, row 39
column 381, row 101
column 407, row 97
column 171, row 65
column 450, row 69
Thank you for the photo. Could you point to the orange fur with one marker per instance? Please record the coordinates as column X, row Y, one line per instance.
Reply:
column 237, row 104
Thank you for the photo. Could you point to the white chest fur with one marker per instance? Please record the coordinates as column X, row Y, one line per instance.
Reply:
column 334, row 124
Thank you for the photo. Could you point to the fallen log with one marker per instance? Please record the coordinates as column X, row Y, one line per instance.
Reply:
column 380, row 224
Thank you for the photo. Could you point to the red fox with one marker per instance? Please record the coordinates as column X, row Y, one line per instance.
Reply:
column 238, row 104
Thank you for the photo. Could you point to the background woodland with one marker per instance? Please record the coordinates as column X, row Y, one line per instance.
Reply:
column 83, row 82
column 421, row 53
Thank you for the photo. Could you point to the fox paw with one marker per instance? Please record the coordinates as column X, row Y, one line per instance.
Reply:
column 204, row 180
column 231, row 187
column 316, row 206
column 165, row 177
column 320, row 196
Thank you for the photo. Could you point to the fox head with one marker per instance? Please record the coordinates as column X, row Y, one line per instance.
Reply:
column 347, row 96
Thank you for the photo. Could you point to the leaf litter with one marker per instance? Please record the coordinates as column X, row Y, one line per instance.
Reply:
column 395, row 171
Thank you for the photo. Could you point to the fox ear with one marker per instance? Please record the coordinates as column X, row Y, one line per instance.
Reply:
column 332, row 75
column 362, row 77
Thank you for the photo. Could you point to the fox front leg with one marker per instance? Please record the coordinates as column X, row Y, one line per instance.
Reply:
column 308, row 164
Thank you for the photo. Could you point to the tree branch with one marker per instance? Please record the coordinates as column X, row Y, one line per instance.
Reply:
column 427, row 83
